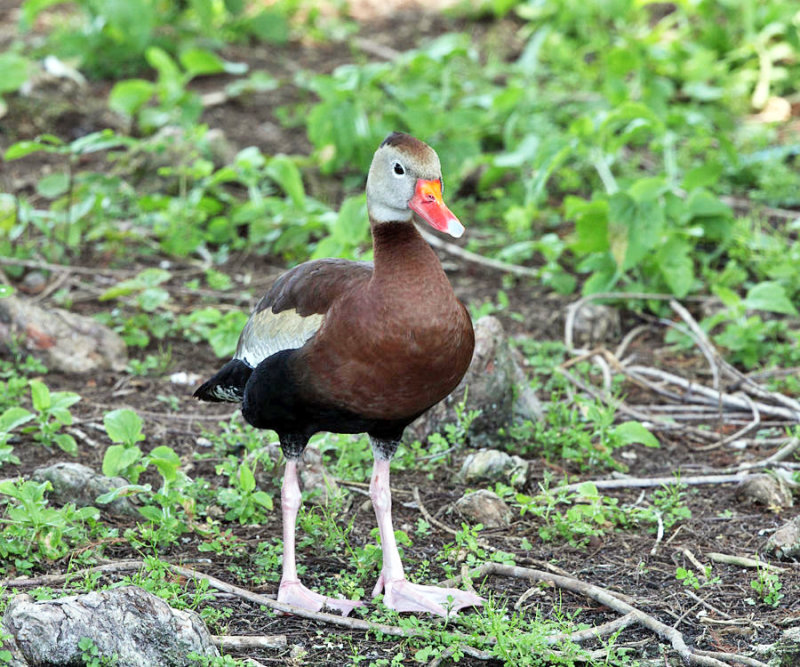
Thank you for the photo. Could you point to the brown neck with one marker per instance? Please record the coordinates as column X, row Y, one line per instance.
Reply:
column 400, row 249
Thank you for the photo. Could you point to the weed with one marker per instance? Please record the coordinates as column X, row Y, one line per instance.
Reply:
column 9, row 420
column 245, row 504
column 689, row 577
column 33, row 530
column 124, row 459
column 90, row 654
column 52, row 414
column 768, row 587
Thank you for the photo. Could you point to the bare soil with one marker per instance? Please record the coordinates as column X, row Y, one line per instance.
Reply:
column 723, row 620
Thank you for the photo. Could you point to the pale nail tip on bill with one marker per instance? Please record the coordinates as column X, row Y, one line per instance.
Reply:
column 455, row 228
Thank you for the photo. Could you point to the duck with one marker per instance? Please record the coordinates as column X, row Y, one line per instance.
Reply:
column 359, row 347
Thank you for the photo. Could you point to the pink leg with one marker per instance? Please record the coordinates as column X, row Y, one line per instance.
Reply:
column 291, row 590
column 400, row 594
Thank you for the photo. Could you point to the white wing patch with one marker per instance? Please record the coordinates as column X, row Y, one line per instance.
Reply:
column 267, row 333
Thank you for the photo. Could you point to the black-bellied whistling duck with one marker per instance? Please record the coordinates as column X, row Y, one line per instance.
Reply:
column 357, row 347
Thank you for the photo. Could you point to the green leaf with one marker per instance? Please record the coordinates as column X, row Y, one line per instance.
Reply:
column 53, row 185
column 166, row 460
column 702, row 176
column 15, row 69
column 143, row 280
column 702, row 203
column 285, row 173
column 634, row 228
column 67, row 443
column 123, row 426
column 32, row 8
column 675, row 263
column 127, row 97
column 126, row 490
column 14, row 417
column 98, row 141
column 40, row 395
column 770, row 296
column 270, row 26
column 247, row 480
column 352, row 223
column 591, row 224
column 263, row 499
column 633, row 432
column 23, row 148
column 200, row 61
column 168, row 72
column 151, row 513
column 119, row 457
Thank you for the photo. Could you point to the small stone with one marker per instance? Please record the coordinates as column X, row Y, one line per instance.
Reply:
column 128, row 624
column 785, row 542
column 492, row 465
column 484, row 507
column 314, row 477
column 495, row 384
column 595, row 323
column 766, row 490
column 185, row 379
column 33, row 282
column 80, row 485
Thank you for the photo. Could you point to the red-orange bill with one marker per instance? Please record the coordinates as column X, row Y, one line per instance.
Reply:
column 427, row 202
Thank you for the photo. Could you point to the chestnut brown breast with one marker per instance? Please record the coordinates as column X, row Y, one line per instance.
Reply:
column 396, row 345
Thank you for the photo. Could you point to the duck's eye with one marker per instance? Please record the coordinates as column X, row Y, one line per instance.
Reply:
column 398, row 169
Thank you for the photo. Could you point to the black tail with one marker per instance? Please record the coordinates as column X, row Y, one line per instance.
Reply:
column 227, row 385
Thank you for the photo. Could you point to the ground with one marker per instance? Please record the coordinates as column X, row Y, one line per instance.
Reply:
column 722, row 616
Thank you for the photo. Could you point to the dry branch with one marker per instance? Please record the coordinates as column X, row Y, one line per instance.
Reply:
column 475, row 258
column 236, row 642
column 743, row 561
column 607, row 598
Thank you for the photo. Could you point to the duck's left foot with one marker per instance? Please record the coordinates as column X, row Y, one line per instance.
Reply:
column 402, row 595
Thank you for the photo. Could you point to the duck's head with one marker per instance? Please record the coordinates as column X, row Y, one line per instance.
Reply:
column 405, row 178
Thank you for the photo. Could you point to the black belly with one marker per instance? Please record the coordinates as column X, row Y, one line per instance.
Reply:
column 273, row 399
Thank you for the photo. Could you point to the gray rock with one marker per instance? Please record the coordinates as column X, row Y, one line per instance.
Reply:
column 595, row 323
column 783, row 653
column 785, row 542
column 766, row 490
column 33, row 283
column 484, row 507
column 127, row 623
column 492, row 465
column 494, row 384
column 314, row 477
column 79, row 484
column 64, row 341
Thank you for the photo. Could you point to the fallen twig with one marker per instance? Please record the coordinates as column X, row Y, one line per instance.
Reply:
column 648, row 482
column 710, row 395
column 743, row 561
column 602, row 630
column 733, row 657
column 607, row 598
column 705, row 603
column 659, row 533
column 231, row 642
column 475, row 258
column 427, row 515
